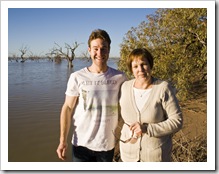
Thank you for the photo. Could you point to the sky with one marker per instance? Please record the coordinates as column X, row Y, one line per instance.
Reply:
column 39, row 28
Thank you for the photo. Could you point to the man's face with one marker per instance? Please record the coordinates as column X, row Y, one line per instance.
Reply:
column 99, row 52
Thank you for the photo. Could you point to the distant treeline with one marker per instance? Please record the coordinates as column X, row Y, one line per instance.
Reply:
column 43, row 58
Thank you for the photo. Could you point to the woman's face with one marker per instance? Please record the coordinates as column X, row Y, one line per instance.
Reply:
column 141, row 69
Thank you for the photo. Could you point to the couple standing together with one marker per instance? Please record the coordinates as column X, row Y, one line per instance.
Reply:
column 96, row 96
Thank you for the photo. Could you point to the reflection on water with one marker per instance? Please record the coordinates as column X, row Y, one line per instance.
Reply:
column 35, row 97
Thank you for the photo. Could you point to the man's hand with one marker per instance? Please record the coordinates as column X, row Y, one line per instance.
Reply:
column 61, row 151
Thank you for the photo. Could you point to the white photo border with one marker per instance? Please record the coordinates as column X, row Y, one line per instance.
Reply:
column 209, row 165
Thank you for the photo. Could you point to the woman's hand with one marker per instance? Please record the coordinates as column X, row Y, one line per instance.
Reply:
column 136, row 128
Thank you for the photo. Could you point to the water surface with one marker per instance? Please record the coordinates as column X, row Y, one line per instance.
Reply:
column 35, row 97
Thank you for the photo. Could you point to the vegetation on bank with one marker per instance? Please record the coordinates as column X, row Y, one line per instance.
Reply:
column 177, row 38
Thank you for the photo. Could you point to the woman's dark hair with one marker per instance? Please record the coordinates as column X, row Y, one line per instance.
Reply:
column 140, row 53
column 99, row 34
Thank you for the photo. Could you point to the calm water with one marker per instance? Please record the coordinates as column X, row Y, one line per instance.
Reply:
column 35, row 97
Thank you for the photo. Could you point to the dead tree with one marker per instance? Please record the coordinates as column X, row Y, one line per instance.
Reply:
column 72, row 49
column 23, row 51
column 58, row 52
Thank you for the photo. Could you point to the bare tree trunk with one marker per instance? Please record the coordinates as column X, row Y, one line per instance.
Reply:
column 70, row 64
column 23, row 51
column 22, row 58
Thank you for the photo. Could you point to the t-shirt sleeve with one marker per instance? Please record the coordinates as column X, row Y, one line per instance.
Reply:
column 72, row 86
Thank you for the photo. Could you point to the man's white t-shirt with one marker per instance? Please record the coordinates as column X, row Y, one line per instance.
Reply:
column 96, row 113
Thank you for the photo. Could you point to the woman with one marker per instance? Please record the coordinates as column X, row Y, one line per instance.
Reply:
column 150, row 111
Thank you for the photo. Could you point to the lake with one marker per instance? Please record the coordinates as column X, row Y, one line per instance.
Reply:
column 36, row 92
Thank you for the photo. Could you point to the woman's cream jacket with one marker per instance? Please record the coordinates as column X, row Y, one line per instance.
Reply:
column 162, row 116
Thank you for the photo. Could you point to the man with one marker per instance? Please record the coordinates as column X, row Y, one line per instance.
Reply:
column 91, row 104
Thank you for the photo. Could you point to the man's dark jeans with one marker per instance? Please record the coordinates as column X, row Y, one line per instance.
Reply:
column 83, row 154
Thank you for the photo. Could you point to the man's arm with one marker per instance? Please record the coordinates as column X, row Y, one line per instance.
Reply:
column 65, row 124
